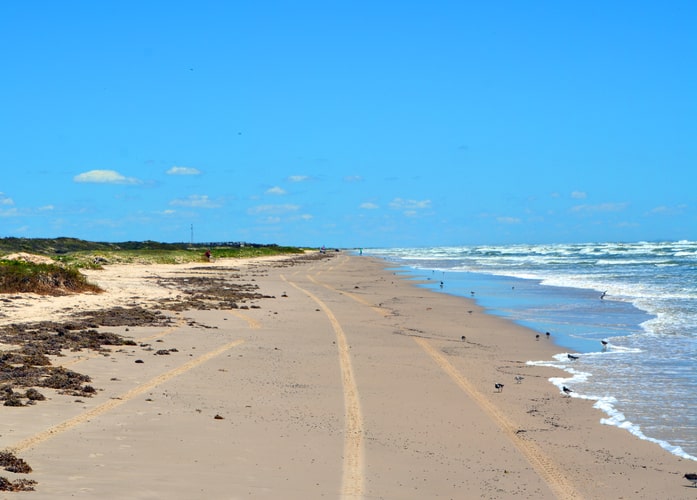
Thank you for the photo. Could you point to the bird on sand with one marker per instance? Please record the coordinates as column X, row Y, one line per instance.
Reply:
column 499, row 387
column 518, row 379
column 572, row 357
column 537, row 337
column 691, row 477
column 567, row 390
column 463, row 338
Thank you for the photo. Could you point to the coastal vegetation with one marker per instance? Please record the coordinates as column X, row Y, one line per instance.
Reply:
column 51, row 266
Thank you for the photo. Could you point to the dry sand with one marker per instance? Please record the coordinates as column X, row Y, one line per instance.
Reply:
column 346, row 381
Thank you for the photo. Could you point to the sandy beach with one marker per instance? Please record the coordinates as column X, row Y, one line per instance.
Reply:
column 323, row 376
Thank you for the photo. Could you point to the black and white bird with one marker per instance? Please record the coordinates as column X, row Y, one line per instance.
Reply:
column 604, row 342
column 499, row 387
column 518, row 379
column 463, row 338
column 572, row 357
column 691, row 477
column 567, row 390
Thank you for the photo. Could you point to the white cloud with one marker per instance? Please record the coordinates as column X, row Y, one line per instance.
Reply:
column 298, row 178
column 368, row 206
column 410, row 205
column 4, row 200
column 104, row 177
column 663, row 210
column 353, row 178
column 273, row 209
column 183, row 171
column 195, row 201
column 602, row 207
column 46, row 208
column 508, row 220
column 276, row 190
column 578, row 195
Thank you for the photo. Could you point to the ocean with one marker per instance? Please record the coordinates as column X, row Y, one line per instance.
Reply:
column 639, row 298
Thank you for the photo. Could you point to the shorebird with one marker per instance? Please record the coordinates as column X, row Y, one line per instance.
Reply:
column 572, row 357
column 691, row 477
column 499, row 387
column 463, row 338
column 567, row 391
column 604, row 342
column 537, row 337
column 602, row 296
column 518, row 379
column 548, row 334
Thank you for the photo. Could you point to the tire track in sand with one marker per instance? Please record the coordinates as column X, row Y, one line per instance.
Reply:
column 39, row 438
column 352, row 483
column 543, row 465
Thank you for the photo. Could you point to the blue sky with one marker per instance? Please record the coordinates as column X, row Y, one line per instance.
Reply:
column 349, row 124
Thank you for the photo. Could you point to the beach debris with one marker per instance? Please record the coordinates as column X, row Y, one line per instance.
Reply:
column 139, row 361
column 17, row 485
column 218, row 417
column 498, row 387
column 11, row 463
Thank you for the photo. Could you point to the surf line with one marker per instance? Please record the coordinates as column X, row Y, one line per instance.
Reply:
column 543, row 465
column 352, row 483
column 36, row 439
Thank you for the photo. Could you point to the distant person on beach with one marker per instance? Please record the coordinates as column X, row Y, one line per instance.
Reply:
column 208, row 255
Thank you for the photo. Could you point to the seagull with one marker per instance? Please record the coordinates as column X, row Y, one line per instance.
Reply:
column 572, row 357
column 499, row 387
column 518, row 379
column 567, row 390
column 691, row 477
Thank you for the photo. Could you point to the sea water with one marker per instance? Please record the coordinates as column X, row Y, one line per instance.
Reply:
column 639, row 298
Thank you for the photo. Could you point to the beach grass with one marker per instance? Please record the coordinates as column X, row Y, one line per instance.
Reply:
column 47, row 279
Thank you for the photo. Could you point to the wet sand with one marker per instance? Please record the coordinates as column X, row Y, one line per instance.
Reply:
column 307, row 378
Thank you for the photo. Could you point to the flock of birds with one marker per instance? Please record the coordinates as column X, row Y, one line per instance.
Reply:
column 498, row 386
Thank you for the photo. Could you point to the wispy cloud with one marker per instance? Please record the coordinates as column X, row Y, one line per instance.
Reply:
column 508, row 220
column 602, row 207
column 195, row 201
column 402, row 204
column 273, row 209
column 4, row 200
column 579, row 195
column 663, row 210
column 298, row 178
column 353, row 178
column 368, row 206
column 105, row 177
column 276, row 190
column 183, row 171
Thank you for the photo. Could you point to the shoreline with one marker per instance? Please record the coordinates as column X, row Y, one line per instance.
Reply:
column 341, row 379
